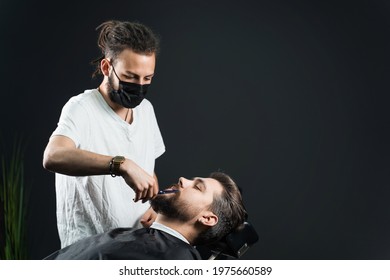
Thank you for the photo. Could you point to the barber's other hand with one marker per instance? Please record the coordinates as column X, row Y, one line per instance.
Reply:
column 143, row 184
column 148, row 218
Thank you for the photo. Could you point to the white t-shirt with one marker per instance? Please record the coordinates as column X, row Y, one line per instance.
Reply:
column 90, row 205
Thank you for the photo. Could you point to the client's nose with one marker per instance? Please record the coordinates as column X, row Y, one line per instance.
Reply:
column 184, row 183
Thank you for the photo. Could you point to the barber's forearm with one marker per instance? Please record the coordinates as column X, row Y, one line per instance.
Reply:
column 76, row 162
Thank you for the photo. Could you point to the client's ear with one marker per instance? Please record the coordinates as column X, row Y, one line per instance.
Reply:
column 208, row 219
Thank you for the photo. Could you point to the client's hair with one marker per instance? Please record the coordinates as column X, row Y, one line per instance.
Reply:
column 229, row 208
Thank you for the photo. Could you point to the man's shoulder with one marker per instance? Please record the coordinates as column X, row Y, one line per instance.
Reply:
column 83, row 100
column 85, row 96
column 145, row 105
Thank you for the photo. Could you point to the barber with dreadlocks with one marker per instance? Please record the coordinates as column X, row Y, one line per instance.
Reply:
column 104, row 148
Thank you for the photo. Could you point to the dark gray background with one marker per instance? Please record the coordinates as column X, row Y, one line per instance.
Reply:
column 289, row 97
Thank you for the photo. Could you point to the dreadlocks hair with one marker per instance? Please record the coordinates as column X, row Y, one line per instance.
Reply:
column 116, row 36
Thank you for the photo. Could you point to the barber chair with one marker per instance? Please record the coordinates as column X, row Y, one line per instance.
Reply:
column 232, row 246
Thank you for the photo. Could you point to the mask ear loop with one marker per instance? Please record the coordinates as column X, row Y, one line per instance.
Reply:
column 115, row 72
column 120, row 86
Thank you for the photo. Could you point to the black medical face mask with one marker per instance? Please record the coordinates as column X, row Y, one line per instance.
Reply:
column 129, row 95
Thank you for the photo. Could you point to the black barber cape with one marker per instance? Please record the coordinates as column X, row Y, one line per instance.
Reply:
column 128, row 244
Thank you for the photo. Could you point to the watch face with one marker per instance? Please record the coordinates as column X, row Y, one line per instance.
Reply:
column 119, row 159
column 115, row 164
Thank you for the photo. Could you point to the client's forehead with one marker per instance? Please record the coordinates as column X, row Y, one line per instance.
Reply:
column 211, row 185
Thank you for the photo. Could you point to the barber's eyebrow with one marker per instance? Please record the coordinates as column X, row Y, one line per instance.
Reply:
column 136, row 75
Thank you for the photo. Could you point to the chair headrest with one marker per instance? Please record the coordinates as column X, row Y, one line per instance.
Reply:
column 236, row 243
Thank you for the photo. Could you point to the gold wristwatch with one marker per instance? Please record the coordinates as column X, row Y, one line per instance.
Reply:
column 115, row 163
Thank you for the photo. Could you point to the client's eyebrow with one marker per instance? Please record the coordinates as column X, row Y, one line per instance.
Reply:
column 200, row 181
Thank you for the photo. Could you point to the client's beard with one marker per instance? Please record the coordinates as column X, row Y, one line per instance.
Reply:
column 171, row 207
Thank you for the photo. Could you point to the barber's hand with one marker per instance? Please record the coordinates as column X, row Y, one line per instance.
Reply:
column 148, row 218
column 143, row 184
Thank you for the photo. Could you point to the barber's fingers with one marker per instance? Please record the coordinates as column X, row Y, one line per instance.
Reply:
column 152, row 192
column 138, row 179
column 145, row 195
column 146, row 191
column 155, row 188
column 138, row 195
column 139, row 191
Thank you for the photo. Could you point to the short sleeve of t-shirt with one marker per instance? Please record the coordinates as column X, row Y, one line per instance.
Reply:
column 73, row 122
column 158, row 140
